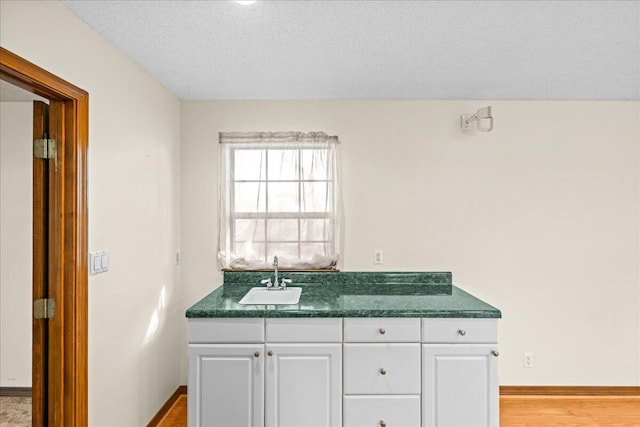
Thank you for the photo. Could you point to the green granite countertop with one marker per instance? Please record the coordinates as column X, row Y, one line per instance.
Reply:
column 348, row 294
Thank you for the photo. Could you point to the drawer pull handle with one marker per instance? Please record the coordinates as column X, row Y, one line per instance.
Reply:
column 383, row 371
column 382, row 331
column 495, row 353
column 256, row 354
column 269, row 353
column 462, row 332
column 383, row 424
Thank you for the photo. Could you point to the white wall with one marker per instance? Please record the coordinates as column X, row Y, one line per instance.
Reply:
column 135, row 310
column 16, row 212
column 539, row 217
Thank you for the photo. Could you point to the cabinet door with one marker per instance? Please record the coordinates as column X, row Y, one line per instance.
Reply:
column 226, row 385
column 303, row 385
column 460, row 385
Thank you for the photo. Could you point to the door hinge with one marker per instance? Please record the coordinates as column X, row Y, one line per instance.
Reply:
column 44, row 148
column 44, row 308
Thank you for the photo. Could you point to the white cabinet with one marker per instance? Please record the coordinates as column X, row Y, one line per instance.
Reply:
column 460, row 378
column 226, row 385
column 286, row 383
column 303, row 385
column 288, row 372
column 382, row 372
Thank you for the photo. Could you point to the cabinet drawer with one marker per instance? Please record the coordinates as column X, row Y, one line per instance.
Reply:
column 375, row 411
column 459, row 330
column 382, row 368
column 381, row 330
column 304, row 330
column 226, row 330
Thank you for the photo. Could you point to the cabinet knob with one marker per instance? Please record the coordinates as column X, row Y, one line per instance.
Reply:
column 383, row 371
column 269, row 353
column 495, row 353
column 256, row 354
column 382, row 331
column 383, row 424
column 462, row 332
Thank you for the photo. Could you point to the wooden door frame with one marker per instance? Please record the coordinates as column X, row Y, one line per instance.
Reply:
column 68, row 387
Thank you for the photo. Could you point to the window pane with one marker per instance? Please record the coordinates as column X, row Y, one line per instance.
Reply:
column 283, row 164
column 283, row 196
column 249, row 197
column 282, row 229
column 249, row 230
column 287, row 250
column 316, row 197
column 250, row 251
column 315, row 229
column 249, row 165
column 307, row 250
column 316, row 165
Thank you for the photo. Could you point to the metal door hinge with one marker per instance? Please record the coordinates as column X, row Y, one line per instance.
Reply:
column 44, row 308
column 44, row 148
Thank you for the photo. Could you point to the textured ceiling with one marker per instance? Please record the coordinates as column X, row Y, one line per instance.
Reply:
column 379, row 49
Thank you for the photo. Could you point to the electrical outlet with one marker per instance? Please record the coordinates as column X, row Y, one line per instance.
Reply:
column 528, row 360
column 377, row 256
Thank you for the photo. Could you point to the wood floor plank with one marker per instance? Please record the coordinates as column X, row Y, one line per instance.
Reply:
column 565, row 411
column 177, row 415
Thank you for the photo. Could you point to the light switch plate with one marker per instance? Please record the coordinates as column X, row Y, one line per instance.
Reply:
column 98, row 262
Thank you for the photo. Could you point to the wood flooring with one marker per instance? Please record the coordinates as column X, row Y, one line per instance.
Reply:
column 523, row 411
column 565, row 411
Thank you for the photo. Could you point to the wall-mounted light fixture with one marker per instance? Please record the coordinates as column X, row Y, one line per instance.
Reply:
column 482, row 117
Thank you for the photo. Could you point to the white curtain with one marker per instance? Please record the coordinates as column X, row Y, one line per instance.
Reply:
column 278, row 195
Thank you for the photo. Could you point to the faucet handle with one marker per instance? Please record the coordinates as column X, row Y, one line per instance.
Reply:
column 285, row 282
column 266, row 281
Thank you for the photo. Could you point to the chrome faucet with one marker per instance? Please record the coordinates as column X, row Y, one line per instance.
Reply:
column 275, row 286
column 275, row 270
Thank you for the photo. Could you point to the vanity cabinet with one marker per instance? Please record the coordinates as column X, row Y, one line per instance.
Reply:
column 280, row 380
column 460, row 379
column 289, row 372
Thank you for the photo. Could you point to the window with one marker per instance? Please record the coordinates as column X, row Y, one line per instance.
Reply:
column 278, row 196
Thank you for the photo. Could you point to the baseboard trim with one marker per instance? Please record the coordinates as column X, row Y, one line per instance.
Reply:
column 518, row 390
column 182, row 389
column 15, row 391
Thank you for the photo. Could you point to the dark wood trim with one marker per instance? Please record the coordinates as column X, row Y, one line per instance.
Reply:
column 167, row 406
column 15, row 391
column 517, row 390
column 40, row 265
column 67, row 243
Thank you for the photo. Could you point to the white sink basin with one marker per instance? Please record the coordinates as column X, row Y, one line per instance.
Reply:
column 263, row 296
